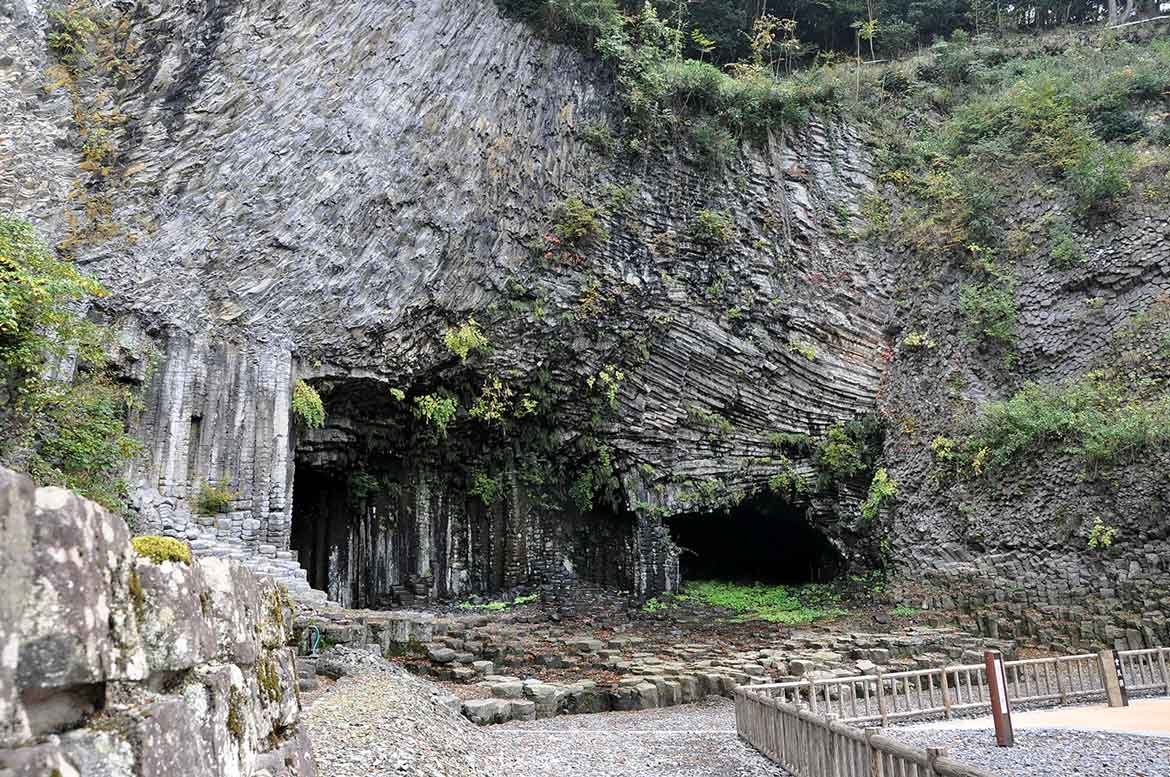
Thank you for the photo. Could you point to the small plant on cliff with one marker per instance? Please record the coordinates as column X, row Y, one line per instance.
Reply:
column 609, row 378
column 68, row 432
column 212, row 499
column 160, row 549
column 576, row 223
column 307, row 405
column 488, row 489
column 1101, row 535
column 916, row 341
column 436, row 410
column 990, row 311
column 463, row 339
column 882, row 489
column 712, row 227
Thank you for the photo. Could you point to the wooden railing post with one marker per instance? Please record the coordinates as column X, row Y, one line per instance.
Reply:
column 881, row 694
column 1061, row 688
column 933, row 754
column 1162, row 666
column 875, row 755
column 946, row 694
column 812, row 694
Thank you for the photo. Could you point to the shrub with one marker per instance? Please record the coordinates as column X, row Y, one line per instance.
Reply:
column 990, row 311
column 463, row 339
column 307, row 405
column 212, row 499
column 436, row 410
column 715, row 144
column 1096, row 419
column 68, row 433
column 1101, row 535
column 1100, row 175
column 712, row 227
column 882, row 489
column 160, row 549
column 576, row 223
column 486, row 488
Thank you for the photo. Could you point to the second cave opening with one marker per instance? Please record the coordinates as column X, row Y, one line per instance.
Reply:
column 765, row 539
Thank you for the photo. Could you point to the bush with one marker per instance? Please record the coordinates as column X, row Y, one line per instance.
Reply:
column 1100, row 176
column 577, row 223
column 463, row 339
column 990, row 311
column 66, row 433
column 307, row 405
column 160, row 549
column 212, row 500
column 715, row 144
column 486, row 488
column 882, row 489
column 436, row 410
column 712, row 227
column 1093, row 418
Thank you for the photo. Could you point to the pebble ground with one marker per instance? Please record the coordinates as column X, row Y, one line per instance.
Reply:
column 1051, row 752
column 693, row 740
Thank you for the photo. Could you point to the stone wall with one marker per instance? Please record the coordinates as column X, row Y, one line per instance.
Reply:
column 111, row 663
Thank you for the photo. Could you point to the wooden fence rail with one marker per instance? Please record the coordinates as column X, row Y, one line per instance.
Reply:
column 807, row 744
column 882, row 698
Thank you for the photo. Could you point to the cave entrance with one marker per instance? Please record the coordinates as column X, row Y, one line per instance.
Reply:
column 349, row 526
column 764, row 539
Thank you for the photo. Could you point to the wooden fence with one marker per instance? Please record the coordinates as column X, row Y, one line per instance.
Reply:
column 810, row 745
column 925, row 693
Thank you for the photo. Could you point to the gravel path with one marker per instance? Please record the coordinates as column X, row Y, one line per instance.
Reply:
column 1050, row 753
column 389, row 724
column 694, row 740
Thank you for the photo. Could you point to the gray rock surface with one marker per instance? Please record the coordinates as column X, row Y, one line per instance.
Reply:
column 186, row 664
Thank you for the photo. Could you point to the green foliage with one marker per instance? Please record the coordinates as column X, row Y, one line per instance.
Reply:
column 599, row 138
column 944, row 448
column 307, row 405
column 989, row 310
column 212, row 499
column 917, row 341
column 488, row 489
column 801, row 348
column 71, row 433
column 840, row 454
column 398, row 394
column 575, row 223
column 882, row 489
column 787, row 483
column 463, row 339
column 715, row 143
column 609, row 379
column 1100, row 175
column 1066, row 252
column 500, row 605
column 792, row 605
column 1096, row 418
column 494, row 401
column 712, row 228
column 720, row 426
column 902, row 611
column 160, row 549
column 436, row 410
column 1101, row 535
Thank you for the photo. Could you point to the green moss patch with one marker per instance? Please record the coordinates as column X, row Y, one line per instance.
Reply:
column 160, row 549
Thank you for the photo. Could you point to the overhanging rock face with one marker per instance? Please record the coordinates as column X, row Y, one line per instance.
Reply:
column 318, row 193
column 137, row 668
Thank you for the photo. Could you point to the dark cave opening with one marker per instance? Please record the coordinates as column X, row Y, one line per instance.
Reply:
column 319, row 520
column 764, row 539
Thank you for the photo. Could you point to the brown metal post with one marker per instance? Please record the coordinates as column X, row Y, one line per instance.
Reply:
column 1001, row 711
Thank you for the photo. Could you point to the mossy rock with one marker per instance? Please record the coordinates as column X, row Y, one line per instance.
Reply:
column 160, row 549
